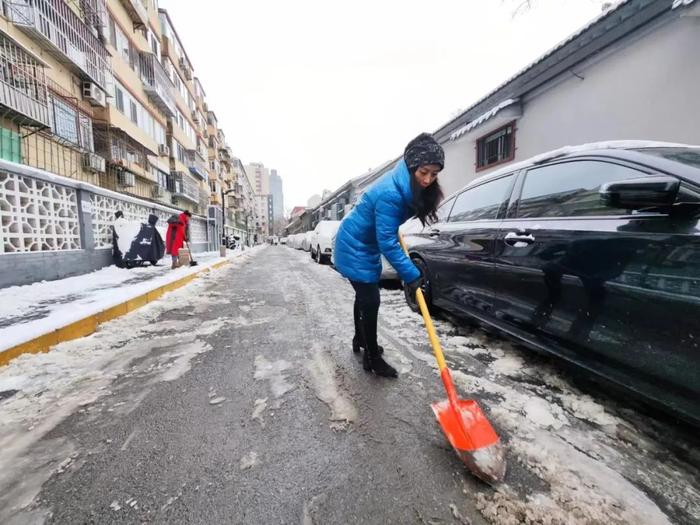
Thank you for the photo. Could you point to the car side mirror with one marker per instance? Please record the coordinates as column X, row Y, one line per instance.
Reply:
column 644, row 192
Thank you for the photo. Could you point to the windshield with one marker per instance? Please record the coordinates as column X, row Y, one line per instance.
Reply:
column 687, row 156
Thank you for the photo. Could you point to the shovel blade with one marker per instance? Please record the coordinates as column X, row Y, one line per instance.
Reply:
column 474, row 439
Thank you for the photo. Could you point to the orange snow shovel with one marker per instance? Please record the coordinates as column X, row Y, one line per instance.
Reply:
column 469, row 432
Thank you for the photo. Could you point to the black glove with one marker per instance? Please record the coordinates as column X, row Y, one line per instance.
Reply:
column 414, row 285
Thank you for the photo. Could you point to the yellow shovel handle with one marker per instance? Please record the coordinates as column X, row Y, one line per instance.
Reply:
column 434, row 341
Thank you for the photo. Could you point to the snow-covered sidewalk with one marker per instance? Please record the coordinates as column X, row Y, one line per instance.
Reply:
column 30, row 311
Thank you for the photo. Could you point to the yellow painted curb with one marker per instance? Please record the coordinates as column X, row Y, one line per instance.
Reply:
column 89, row 324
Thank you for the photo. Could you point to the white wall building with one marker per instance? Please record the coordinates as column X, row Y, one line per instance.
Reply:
column 633, row 73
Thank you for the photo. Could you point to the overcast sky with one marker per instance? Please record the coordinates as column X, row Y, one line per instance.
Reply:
column 323, row 90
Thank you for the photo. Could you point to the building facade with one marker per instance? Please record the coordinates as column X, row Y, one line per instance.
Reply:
column 632, row 73
column 277, row 192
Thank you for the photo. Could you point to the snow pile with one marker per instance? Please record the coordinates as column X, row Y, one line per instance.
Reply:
column 274, row 373
column 542, row 413
column 567, row 439
column 323, row 375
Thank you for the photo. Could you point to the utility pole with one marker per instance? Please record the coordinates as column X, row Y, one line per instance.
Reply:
column 223, row 212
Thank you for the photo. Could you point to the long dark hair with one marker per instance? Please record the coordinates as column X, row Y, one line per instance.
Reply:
column 426, row 201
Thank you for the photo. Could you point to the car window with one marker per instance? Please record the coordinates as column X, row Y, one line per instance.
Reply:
column 481, row 202
column 688, row 156
column 570, row 189
column 444, row 210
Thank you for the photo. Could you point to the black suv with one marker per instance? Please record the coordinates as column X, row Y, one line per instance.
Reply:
column 590, row 253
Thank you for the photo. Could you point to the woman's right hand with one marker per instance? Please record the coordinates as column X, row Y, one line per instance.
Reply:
column 414, row 285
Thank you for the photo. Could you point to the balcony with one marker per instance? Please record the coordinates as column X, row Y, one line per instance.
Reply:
column 57, row 28
column 157, row 84
column 137, row 12
column 197, row 165
column 183, row 186
column 23, row 85
column 203, row 200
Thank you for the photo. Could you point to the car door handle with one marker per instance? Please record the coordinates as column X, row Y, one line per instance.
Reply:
column 434, row 233
column 519, row 240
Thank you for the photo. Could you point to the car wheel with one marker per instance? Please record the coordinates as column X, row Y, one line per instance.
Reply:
column 427, row 292
column 319, row 257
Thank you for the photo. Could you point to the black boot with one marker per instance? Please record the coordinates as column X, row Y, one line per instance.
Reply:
column 357, row 346
column 376, row 364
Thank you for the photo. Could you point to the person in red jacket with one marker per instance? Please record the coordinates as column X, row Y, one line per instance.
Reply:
column 178, row 233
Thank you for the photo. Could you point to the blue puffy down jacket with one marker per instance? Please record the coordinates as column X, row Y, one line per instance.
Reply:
column 371, row 230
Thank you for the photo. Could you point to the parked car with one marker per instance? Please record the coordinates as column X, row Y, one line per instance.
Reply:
column 388, row 272
column 322, row 241
column 590, row 253
column 306, row 241
column 284, row 240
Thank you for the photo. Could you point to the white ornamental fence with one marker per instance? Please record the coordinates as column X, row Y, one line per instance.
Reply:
column 44, row 213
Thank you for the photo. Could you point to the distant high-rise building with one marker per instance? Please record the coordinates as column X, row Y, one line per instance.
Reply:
column 260, row 175
column 277, row 196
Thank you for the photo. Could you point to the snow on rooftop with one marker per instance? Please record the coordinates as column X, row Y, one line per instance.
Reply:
column 478, row 121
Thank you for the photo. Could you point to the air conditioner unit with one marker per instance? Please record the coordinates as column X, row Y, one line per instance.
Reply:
column 93, row 94
column 163, row 150
column 94, row 163
column 126, row 179
column 158, row 191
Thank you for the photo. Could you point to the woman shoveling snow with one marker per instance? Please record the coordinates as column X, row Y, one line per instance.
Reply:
column 371, row 230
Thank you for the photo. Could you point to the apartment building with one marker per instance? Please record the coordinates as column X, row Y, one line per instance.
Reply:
column 55, row 73
column 101, row 92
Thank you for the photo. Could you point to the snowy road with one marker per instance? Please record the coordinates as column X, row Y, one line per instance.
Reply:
column 238, row 400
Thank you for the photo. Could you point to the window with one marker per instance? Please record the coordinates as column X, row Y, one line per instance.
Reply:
column 134, row 112
column 120, row 99
column 570, row 189
column 160, row 177
column 65, row 121
column 138, row 114
column 444, row 210
column 481, row 202
column 86, row 135
column 689, row 156
column 155, row 44
column 496, row 148
column 70, row 124
column 122, row 44
column 112, row 32
column 180, row 152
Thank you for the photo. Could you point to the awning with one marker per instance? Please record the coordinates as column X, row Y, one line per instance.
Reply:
column 510, row 103
column 199, row 172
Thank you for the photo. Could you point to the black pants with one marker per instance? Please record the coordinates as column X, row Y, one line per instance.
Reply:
column 366, row 311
